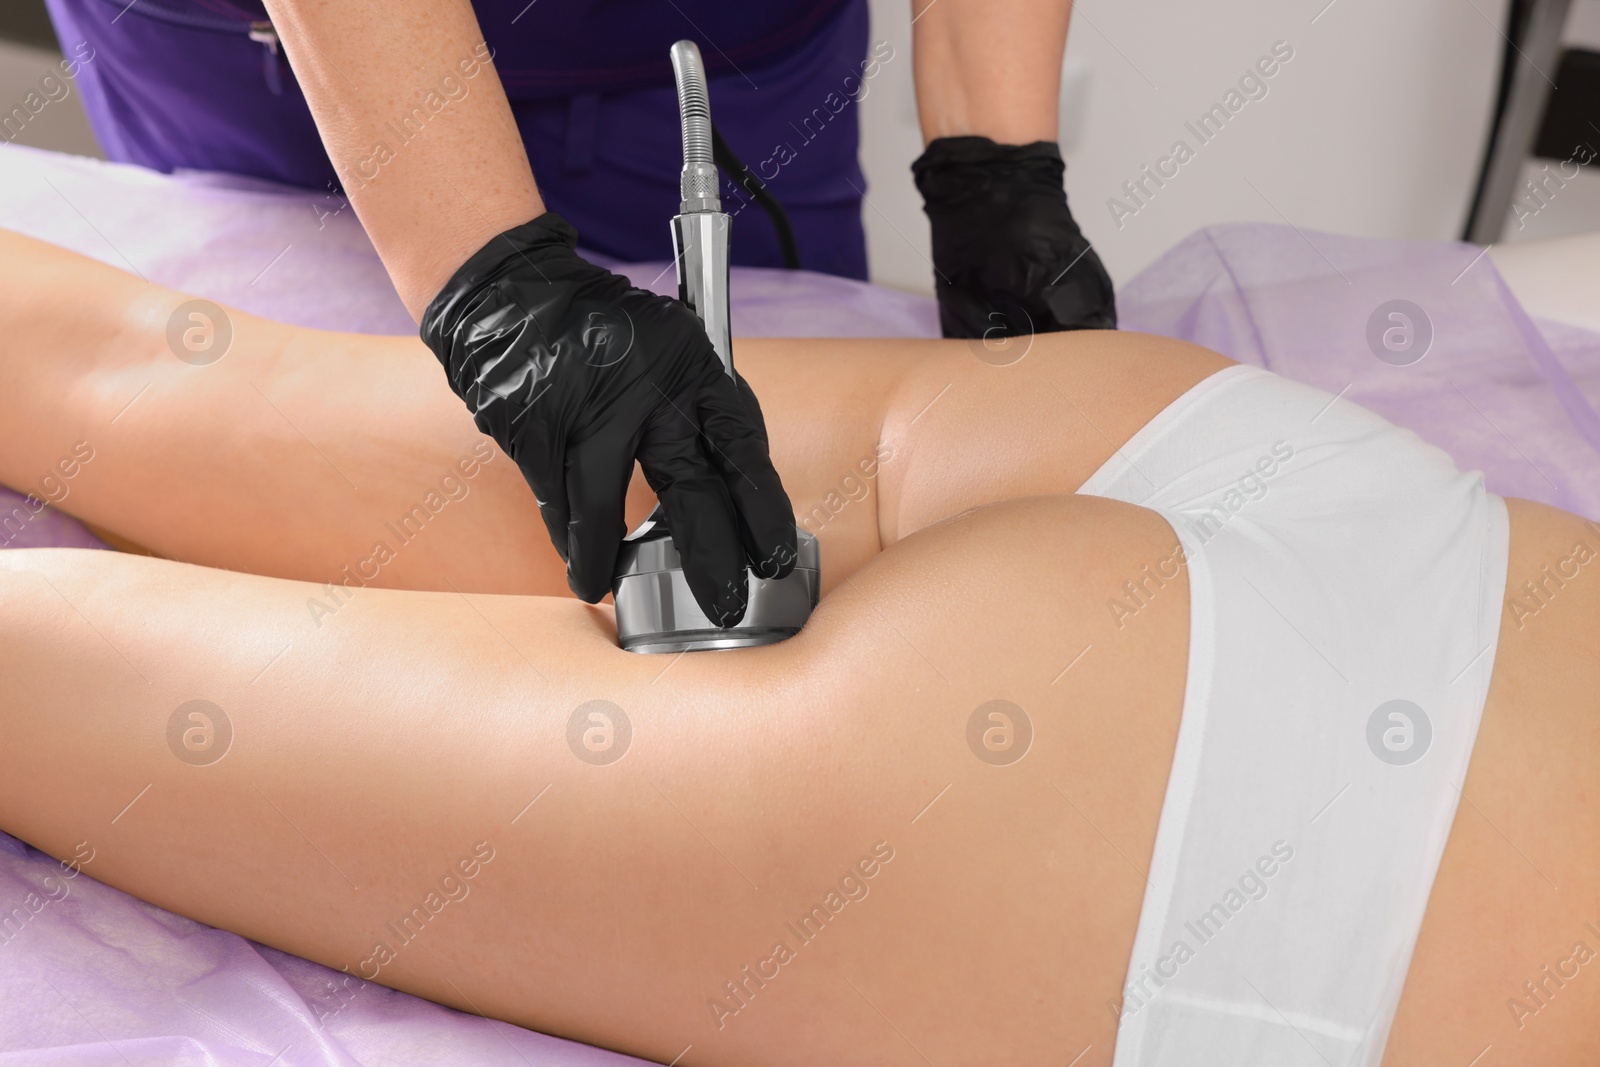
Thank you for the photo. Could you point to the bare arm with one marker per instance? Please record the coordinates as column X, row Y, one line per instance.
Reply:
column 989, row 68
column 417, row 125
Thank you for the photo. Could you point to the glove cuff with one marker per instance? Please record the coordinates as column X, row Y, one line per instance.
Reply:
column 975, row 149
column 954, row 168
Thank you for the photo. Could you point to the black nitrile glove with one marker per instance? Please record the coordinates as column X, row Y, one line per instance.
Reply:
column 574, row 373
column 1008, row 259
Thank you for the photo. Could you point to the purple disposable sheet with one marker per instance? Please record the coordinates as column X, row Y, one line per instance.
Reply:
column 1501, row 394
column 90, row 975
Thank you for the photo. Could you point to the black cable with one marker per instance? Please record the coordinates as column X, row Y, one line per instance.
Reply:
column 746, row 179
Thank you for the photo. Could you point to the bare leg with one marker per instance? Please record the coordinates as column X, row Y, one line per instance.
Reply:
column 382, row 749
column 253, row 461
column 300, row 452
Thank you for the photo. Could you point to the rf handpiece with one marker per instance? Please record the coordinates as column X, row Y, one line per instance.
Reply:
column 656, row 611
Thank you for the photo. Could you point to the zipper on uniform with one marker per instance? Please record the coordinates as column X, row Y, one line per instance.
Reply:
column 260, row 31
column 263, row 34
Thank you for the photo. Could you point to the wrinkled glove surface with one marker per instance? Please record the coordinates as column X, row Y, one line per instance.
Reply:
column 575, row 373
column 1008, row 258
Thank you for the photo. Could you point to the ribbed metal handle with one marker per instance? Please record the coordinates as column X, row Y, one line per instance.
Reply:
column 698, row 186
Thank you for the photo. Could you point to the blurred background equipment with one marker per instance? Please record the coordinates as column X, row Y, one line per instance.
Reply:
column 1541, row 108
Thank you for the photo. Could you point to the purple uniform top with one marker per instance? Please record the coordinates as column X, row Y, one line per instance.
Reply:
column 203, row 84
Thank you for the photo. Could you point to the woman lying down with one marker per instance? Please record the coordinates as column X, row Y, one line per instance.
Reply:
column 1158, row 710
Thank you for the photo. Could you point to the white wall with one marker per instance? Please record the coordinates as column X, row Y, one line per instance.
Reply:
column 1375, row 127
column 60, row 125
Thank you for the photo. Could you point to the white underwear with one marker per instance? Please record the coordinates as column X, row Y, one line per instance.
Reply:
column 1345, row 582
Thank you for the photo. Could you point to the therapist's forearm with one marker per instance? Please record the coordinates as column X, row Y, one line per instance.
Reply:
column 989, row 68
column 417, row 124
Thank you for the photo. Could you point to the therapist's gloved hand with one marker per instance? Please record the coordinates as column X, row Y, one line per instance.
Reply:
column 1008, row 258
column 575, row 373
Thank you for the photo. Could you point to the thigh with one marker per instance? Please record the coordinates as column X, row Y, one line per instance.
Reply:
column 838, row 849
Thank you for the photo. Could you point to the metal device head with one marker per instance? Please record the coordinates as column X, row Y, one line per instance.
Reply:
column 656, row 610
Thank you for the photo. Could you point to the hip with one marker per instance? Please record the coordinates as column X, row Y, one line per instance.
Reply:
column 1506, row 955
